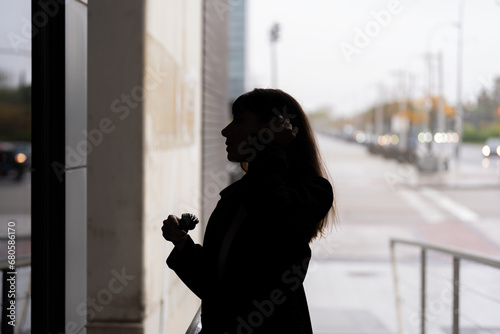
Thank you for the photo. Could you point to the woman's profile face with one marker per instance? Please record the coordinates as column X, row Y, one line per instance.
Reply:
column 238, row 134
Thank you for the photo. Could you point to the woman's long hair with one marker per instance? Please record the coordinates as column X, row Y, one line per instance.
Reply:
column 303, row 154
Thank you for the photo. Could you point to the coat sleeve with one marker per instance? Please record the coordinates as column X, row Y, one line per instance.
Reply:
column 295, row 199
column 187, row 264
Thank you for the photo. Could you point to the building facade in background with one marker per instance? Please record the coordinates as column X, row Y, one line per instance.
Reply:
column 237, row 50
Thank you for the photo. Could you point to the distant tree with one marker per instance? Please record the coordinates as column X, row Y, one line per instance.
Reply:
column 15, row 113
column 481, row 117
column 3, row 78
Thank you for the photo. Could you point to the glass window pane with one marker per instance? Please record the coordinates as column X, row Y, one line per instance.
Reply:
column 15, row 151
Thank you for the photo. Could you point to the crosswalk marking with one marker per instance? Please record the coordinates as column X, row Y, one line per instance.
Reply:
column 429, row 203
column 425, row 210
column 458, row 210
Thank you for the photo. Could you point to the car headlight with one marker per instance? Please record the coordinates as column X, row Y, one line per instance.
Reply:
column 486, row 150
column 498, row 151
column 20, row 158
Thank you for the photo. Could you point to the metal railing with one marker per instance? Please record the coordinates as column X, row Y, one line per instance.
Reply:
column 5, row 268
column 457, row 256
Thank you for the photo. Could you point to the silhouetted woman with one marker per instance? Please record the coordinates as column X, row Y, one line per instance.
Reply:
column 255, row 254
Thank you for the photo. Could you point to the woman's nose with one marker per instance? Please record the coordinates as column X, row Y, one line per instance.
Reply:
column 224, row 131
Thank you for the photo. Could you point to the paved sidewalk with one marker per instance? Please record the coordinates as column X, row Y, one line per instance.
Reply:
column 359, row 297
column 350, row 285
column 351, row 297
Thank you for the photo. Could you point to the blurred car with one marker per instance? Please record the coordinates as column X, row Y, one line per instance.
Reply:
column 15, row 159
column 492, row 147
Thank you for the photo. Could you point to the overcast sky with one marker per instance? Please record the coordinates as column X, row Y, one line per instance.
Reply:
column 311, row 64
column 15, row 59
column 313, row 68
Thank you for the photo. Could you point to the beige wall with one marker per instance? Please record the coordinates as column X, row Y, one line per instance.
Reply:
column 144, row 88
column 172, row 150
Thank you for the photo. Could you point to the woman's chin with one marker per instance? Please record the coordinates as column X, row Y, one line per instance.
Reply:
column 234, row 157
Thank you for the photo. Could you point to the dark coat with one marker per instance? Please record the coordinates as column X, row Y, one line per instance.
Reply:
column 255, row 254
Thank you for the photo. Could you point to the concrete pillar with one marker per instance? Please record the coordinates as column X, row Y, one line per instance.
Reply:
column 144, row 106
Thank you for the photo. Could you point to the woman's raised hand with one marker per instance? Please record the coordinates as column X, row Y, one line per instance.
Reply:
column 285, row 133
column 172, row 232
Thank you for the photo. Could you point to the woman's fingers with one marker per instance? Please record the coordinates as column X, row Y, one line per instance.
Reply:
column 282, row 123
column 173, row 235
column 284, row 132
column 171, row 230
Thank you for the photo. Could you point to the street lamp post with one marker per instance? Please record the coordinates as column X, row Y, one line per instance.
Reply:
column 275, row 30
column 440, row 125
column 379, row 113
column 459, row 111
